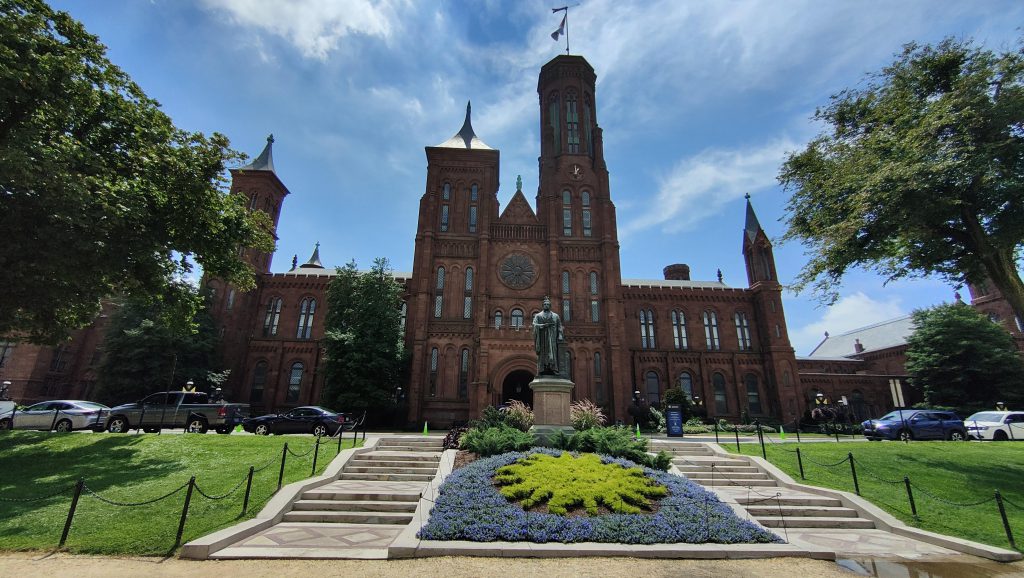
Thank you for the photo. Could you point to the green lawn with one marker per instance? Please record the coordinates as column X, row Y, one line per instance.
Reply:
column 135, row 468
column 960, row 472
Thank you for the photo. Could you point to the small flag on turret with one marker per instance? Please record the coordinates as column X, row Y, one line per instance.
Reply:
column 561, row 28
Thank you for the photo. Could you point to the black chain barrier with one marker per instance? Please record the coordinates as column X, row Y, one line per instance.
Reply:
column 302, row 455
column 224, row 495
column 864, row 470
column 918, row 488
column 94, row 494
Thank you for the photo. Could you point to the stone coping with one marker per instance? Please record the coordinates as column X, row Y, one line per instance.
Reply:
column 272, row 513
column 882, row 519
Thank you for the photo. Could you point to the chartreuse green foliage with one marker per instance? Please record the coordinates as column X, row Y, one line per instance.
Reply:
column 919, row 171
column 961, row 359
column 568, row 482
column 101, row 193
column 496, row 440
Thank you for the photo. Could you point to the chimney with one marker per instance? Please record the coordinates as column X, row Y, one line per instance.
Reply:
column 857, row 346
column 677, row 272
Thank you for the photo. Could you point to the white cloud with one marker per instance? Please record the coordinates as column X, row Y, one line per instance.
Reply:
column 699, row 186
column 849, row 313
column 315, row 27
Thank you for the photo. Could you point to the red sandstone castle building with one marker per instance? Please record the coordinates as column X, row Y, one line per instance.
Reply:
column 480, row 272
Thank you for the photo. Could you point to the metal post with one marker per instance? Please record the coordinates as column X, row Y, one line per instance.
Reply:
column 736, row 431
column 248, row 489
column 284, row 456
column 760, row 436
column 341, row 434
column 184, row 510
column 910, row 496
column 797, row 429
column 53, row 424
column 716, row 431
column 316, row 454
column 364, row 430
column 853, row 470
column 1006, row 523
column 800, row 463
column 71, row 512
column 835, row 430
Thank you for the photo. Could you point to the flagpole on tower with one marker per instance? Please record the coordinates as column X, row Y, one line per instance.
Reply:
column 563, row 28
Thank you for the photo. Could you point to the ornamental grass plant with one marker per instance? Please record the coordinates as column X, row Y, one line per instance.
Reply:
column 585, row 414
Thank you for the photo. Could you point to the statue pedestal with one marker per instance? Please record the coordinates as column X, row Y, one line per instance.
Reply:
column 551, row 398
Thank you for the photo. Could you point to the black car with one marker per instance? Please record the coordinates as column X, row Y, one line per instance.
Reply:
column 313, row 419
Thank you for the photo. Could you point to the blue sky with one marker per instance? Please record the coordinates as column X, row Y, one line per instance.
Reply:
column 699, row 102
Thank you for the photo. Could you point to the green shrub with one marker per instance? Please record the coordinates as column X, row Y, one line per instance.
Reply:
column 584, row 415
column 658, row 420
column 617, row 441
column 695, row 421
column 518, row 415
column 492, row 417
column 743, row 428
column 696, row 429
column 496, row 440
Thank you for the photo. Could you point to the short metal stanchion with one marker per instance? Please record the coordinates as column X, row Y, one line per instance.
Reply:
column 341, row 433
column 835, row 430
column 716, row 431
column 800, row 463
column 248, row 490
column 316, row 454
column 53, row 424
column 184, row 510
column 798, row 430
column 910, row 496
column 71, row 512
column 284, row 456
column 736, row 431
column 1006, row 523
column 760, row 437
column 853, row 471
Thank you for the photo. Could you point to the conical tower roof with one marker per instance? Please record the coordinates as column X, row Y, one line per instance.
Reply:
column 264, row 162
column 314, row 259
column 465, row 138
column 752, row 226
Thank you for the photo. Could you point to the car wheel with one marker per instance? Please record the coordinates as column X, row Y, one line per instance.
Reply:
column 225, row 430
column 905, row 435
column 117, row 425
column 261, row 430
column 5, row 423
column 319, row 430
column 1000, row 436
column 63, row 426
column 956, row 436
column 196, row 425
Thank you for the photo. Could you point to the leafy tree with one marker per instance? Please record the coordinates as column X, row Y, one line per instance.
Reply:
column 100, row 194
column 961, row 359
column 365, row 359
column 920, row 172
column 143, row 353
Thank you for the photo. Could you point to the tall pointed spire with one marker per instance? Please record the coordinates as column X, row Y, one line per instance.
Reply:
column 752, row 226
column 314, row 259
column 465, row 138
column 264, row 162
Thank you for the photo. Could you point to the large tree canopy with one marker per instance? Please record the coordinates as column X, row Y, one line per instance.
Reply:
column 920, row 172
column 365, row 360
column 961, row 359
column 100, row 193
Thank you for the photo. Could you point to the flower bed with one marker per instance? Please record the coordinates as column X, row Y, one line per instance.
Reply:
column 469, row 507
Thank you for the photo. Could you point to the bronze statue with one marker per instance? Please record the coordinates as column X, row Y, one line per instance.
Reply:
column 547, row 334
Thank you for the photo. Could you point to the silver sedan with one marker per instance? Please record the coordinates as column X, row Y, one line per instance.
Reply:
column 62, row 415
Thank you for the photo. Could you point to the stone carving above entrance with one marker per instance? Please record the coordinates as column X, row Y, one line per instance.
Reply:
column 517, row 271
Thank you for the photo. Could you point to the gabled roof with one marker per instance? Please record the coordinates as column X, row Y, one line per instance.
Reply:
column 518, row 211
column 264, row 162
column 465, row 138
column 891, row 333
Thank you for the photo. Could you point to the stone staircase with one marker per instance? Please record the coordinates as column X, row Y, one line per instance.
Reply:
column 738, row 478
column 397, row 460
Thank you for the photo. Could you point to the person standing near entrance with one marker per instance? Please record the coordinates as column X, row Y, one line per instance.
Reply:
column 547, row 333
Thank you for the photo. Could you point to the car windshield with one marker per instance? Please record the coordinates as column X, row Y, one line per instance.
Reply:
column 91, row 405
column 894, row 416
column 38, row 406
column 986, row 416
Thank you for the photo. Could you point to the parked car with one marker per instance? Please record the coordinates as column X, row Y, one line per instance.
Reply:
column 316, row 420
column 62, row 415
column 916, row 424
column 177, row 409
column 996, row 425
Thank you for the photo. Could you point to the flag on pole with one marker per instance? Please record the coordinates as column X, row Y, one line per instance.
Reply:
column 561, row 29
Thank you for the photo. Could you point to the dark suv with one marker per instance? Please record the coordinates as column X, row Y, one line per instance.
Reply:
column 916, row 424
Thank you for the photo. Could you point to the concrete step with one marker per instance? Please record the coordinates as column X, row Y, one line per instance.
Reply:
column 392, row 463
column 354, row 506
column 768, row 508
column 716, row 475
column 723, row 482
column 709, row 462
column 325, row 493
column 691, row 468
column 400, row 456
column 817, row 522
column 410, row 447
column 389, row 470
column 387, row 477
column 342, row 517
column 413, row 441
column 793, row 501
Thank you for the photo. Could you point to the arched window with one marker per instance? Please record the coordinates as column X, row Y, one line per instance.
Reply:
column 711, row 331
column 588, row 133
column 253, row 202
column 439, row 293
column 497, row 319
column 595, row 304
column 306, row 310
column 259, row 381
column 766, row 268
column 587, row 224
column 753, row 394
column 653, row 388
column 273, row 317
column 743, row 331
column 857, row 405
column 598, row 378
column 553, row 119
column 566, row 214
column 572, row 124
column 231, row 299
column 647, row 329
column 446, row 195
column 433, row 372
column 403, row 315
column 567, row 364
column 566, row 301
column 474, row 195
column 679, row 330
column 686, row 384
column 464, row 374
column 517, row 318
column 294, row 382
column 467, row 298
column 721, row 400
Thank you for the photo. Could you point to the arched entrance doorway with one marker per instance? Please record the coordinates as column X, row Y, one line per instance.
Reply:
column 517, row 386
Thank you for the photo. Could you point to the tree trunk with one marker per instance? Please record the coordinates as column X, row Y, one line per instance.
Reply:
column 1003, row 273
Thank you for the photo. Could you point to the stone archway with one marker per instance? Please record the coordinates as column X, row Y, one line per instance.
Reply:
column 516, row 385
